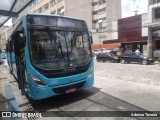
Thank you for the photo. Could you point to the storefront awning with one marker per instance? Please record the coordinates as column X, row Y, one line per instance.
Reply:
column 11, row 8
column 154, row 24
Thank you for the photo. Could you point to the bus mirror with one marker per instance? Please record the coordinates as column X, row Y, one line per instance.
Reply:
column 91, row 40
column 22, row 40
column 91, row 37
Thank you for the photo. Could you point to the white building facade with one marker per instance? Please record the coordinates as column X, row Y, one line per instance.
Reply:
column 153, row 25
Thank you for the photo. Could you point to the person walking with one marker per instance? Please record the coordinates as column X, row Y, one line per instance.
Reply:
column 137, row 51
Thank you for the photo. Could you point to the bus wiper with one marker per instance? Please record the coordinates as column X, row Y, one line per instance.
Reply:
column 73, row 40
column 56, row 40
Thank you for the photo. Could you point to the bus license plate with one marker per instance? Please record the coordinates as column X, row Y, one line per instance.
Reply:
column 71, row 90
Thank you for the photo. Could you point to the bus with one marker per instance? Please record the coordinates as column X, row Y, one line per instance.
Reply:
column 1, row 59
column 50, row 55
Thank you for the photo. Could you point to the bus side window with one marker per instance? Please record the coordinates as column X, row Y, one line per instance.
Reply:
column 12, row 46
column 19, row 39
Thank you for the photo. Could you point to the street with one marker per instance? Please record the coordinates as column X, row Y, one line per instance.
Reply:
column 117, row 87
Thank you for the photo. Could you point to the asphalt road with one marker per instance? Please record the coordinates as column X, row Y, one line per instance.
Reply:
column 117, row 87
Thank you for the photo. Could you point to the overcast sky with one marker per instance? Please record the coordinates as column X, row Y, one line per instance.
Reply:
column 129, row 6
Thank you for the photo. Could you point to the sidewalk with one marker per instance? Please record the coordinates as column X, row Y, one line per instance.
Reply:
column 3, row 81
column 3, row 78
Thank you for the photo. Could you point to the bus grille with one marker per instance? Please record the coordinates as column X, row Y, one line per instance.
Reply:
column 62, row 90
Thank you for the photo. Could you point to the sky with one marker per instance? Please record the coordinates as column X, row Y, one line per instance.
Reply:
column 128, row 8
column 8, row 23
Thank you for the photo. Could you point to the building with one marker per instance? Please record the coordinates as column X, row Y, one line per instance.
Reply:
column 130, row 33
column 103, row 14
column 98, row 14
column 153, row 25
column 5, row 32
column 47, row 6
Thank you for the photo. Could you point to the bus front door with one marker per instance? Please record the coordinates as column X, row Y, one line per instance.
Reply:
column 21, row 66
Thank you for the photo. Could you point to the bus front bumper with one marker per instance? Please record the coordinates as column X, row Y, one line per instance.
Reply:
column 38, row 93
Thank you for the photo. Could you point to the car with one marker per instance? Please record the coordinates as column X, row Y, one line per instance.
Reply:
column 97, row 51
column 107, row 57
column 136, row 57
column 104, row 50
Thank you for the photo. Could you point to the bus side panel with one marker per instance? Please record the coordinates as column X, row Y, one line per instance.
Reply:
column 1, row 60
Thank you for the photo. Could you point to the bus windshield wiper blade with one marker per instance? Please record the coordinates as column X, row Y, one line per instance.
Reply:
column 73, row 40
column 55, row 38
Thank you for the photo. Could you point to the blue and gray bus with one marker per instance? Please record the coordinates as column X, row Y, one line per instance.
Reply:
column 50, row 55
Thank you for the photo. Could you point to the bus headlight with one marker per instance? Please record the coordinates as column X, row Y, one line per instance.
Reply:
column 91, row 72
column 38, row 81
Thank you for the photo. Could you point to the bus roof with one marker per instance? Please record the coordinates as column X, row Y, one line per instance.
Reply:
column 42, row 14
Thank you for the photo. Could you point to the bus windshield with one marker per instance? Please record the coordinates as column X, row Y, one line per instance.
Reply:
column 52, row 49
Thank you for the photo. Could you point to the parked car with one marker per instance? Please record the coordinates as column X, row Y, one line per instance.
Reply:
column 104, row 50
column 136, row 57
column 107, row 57
column 97, row 51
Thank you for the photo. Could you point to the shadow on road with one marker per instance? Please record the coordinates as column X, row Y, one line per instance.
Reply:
column 93, row 100
column 2, row 103
column 92, row 94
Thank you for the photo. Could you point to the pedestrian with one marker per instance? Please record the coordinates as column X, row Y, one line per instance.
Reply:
column 137, row 51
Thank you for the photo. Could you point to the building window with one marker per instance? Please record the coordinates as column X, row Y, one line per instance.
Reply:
column 30, row 5
column 38, row 1
column 54, row 12
column 46, row 6
column 60, row 11
column 103, row 10
column 102, row 29
column 95, row 21
column 157, row 13
column 101, row 20
column 151, row 2
column 35, row 11
column 94, row 12
column 54, row 2
column 40, row 10
column 34, row 2
column 101, row 2
column 94, row 3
